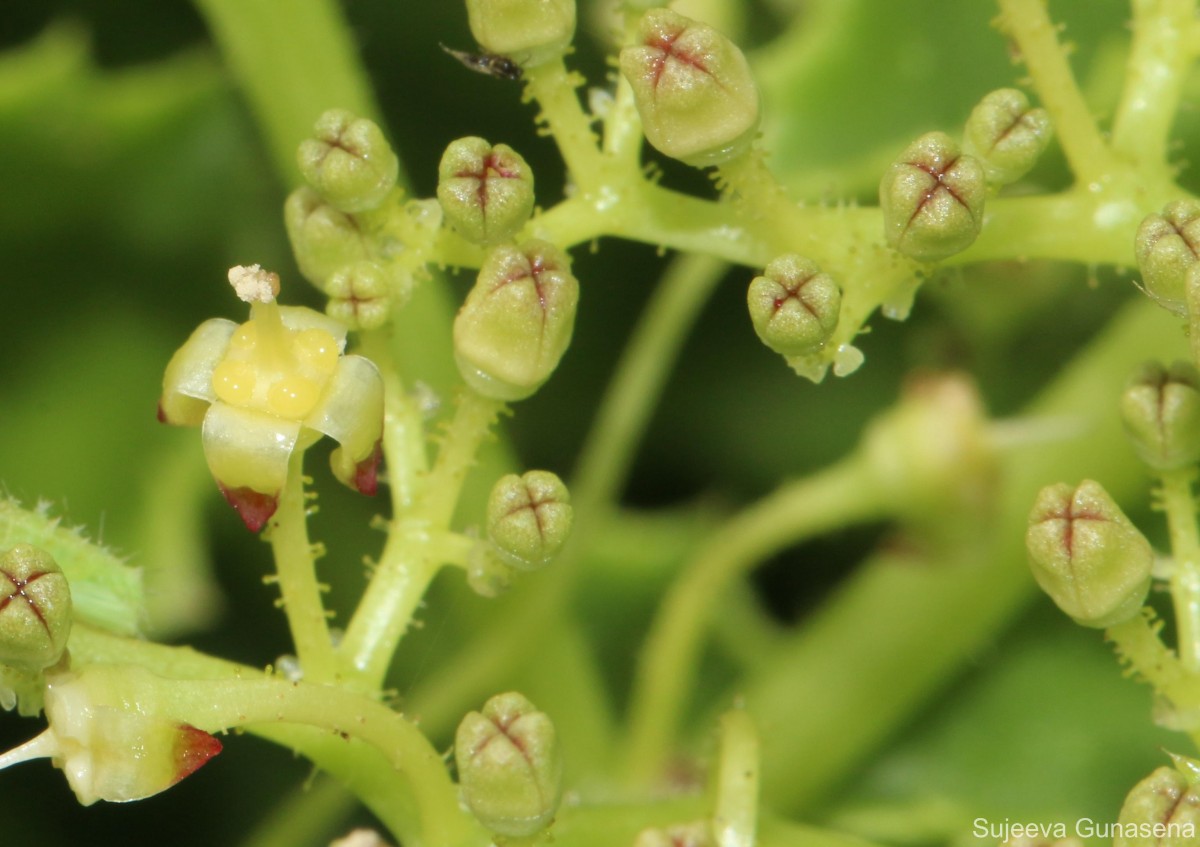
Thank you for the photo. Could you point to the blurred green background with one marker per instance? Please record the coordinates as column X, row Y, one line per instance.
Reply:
column 133, row 175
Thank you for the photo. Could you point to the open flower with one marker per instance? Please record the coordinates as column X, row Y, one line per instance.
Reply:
column 110, row 734
column 268, row 388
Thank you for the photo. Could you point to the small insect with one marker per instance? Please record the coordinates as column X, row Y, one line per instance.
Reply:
column 487, row 63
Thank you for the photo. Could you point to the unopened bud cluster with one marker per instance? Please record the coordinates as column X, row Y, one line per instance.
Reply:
column 517, row 322
column 528, row 519
column 693, row 89
column 486, row 191
column 35, row 609
column 1163, row 810
column 932, row 197
column 351, row 173
column 509, row 766
column 348, row 162
column 1167, row 245
column 931, row 454
column 1160, row 408
column 1006, row 135
column 1087, row 555
column 794, row 306
column 529, row 32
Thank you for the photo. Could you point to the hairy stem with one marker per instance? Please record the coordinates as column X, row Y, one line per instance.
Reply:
column 409, row 561
column 223, row 704
column 1159, row 58
column 553, row 87
column 296, row 570
column 1179, row 503
column 1028, row 24
column 363, row 770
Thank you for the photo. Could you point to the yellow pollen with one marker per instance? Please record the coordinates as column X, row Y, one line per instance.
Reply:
column 317, row 349
column 233, row 382
column 292, row 397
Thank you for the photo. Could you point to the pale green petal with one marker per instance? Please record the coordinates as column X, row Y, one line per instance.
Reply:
column 351, row 413
column 187, row 383
column 247, row 449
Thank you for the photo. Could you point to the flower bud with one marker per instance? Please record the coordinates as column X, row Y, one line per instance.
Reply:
column 693, row 89
column 529, row 32
column 1166, row 246
column 1006, row 135
column 362, row 295
column 509, row 766
column 323, row 239
column 528, row 519
column 109, row 736
column 517, row 321
column 349, row 162
column 35, row 608
column 1163, row 810
column 1161, row 412
column 932, row 199
column 794, row 307
column 486, row 192
column 1087, row 555
column 931, row 455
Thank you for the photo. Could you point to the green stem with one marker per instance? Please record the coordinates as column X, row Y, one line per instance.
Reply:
column 1179, row 503
column 1079, row 225
column 296, row 570
column 941, row 614
column 735, row 812
column 472, row 424
column 623, row 124
column 224, row 704
column 1029, row 25
column 1159, row 58
column 293, row 59
column 403, row 428
column 553, row 87
column 409, row 562
column 389, row 605
column 603, row 465
column 839, row 496
column 364, row 771
column 1138, row 643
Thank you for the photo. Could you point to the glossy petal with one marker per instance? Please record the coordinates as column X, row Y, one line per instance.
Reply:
column 247, row 449
column 351, row 412
column 187, row 383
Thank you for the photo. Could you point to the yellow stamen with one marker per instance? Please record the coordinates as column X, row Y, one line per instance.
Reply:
column 234, row 382
column 293, row 397
column 317, row 349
